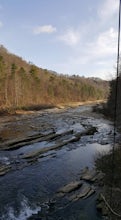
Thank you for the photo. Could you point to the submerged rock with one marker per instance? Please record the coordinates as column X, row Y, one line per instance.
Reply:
column 4, row 169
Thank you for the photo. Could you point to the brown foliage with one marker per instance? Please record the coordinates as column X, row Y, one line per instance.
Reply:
column 24, row 84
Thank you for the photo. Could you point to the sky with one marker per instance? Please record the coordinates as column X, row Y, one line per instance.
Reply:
column 74, row 37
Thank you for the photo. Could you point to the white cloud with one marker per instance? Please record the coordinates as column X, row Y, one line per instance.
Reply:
column 108, row 9
column 105, row 45
column 103, row 48
column 44, row 29
column 1, row 24
column 70, row 37
column 95, row 57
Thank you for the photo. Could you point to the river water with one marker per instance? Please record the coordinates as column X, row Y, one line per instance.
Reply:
column 29, row 190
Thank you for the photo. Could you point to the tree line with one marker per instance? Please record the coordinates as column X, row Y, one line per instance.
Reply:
column 23, row 84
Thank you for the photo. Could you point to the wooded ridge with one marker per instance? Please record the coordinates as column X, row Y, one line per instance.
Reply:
column 24, row 85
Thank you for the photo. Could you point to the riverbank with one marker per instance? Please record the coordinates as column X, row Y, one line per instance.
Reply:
column 110, row 196
column 33, row 109
column 110, row 164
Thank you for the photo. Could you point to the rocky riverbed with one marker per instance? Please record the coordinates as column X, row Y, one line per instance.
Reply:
column 47, row 163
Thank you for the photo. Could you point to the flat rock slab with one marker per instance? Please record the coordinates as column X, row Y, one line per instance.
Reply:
column 17, row 143
column 46, row 149
column 70, row 187
column 85, row 192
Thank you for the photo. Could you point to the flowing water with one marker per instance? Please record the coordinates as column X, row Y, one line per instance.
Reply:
column 28, row 190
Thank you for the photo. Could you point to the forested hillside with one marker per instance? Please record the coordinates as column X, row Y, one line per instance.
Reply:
column 23, row 84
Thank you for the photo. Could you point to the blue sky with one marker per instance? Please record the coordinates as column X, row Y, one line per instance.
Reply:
column 66, row 36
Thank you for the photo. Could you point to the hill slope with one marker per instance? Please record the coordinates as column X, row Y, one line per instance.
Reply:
column 24, row 84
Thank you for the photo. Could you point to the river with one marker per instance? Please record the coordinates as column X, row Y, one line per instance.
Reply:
column 72, row 138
